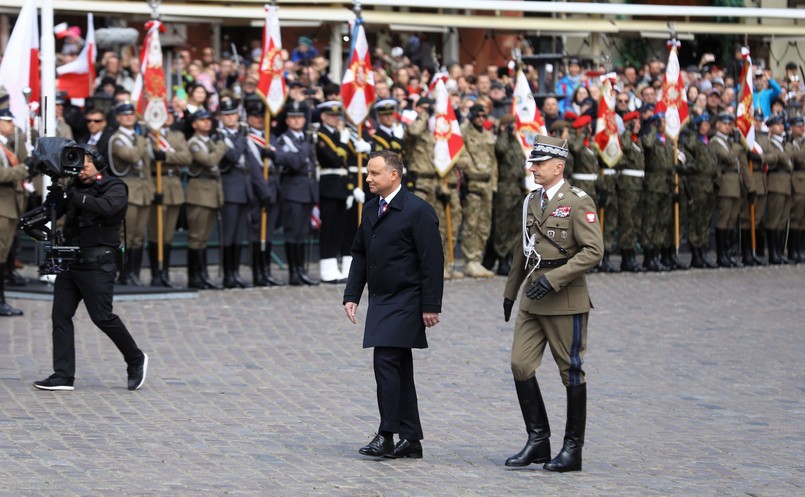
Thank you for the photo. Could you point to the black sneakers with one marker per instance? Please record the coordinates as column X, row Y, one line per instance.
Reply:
column 54, row 382
column 137, row 373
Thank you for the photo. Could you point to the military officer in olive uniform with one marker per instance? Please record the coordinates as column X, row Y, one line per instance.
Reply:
column 701, row 172
column 778, row 200
column 796, row 234
column 511, row 188
column 631, row 178
column 296, row 158
column 205, row 196
column 480, row 167
column 757, row 175
column 130, row 157
column 12, row 200
column 561, row 240
column 733, row 184
column 170, row 148
column 238, row 192
column 14, row 143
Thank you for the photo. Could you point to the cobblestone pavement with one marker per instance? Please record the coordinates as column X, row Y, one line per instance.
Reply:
column 696, row 384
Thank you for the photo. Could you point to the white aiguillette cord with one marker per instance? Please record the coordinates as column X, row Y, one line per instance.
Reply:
column 529, row 241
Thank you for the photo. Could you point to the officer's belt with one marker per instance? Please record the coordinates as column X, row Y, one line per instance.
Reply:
column 354, row 169
column 584, row 176
column 337, row 172
column 168, row 171
column 548, row 264
column 610, row 172
column 99, row 255
column 10, row 184
column 635, row 173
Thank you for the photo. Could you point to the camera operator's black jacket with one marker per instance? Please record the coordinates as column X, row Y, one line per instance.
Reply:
column 94, row 212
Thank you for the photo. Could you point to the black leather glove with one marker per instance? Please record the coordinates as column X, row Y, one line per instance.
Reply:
column 675, row 198
column 736, row 135
column 679, row 168
column 159, row 155
column 603, row 195
column 443, row 196
column 507, row 309
column 159, row 198
column 754, row 157
column 539, row 289
column 267, row 153
column 58, row 196
column 751, row 196
column 30, row 165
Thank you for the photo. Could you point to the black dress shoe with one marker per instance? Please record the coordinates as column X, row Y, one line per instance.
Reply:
column 7, row 310
column 406, row 448
column 378, row 447
column 137, row 373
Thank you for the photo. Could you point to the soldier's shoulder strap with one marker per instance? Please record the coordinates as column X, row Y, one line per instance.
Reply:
column 123, row 138
column 329, row 143
column 578, row 191
column 382, row 141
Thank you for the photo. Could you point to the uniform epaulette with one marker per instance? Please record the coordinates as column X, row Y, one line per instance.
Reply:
column 578, row 191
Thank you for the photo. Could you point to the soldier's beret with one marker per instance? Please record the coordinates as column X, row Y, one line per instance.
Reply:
column 559, row 125
column 6, row 115
column 548, row 147
column 630, row 116
column 725, row 117
column 330, row 108
column 228, row 106
column 571, row 116
column 124, row 108
column 296, row 109
column 654, row 117
column 582, row 121
column 704, row 117
column 797, row 121
column 775, row 119
column 386, row 106
column 200, row 114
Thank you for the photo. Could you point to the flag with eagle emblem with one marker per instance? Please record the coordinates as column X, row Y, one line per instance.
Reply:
column 607, row 141
column 272, row 86
column 446, row 131
column 150, row 92
column 527, row 116
column 673, row 101
column 358, row 84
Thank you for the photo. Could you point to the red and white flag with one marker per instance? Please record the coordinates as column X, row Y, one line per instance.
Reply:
column 358, row 84
column 150, row 92
column 744, row 119
column 20, row 66
column 673, row 101
column 272, row 86
column 77, row 78
column 446, row 131
column 607, row 141
column 527, row 116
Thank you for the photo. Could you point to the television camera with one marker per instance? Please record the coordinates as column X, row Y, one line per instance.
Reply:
column 57, row 158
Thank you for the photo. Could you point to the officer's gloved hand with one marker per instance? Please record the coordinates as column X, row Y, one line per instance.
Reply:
column 363, row 147
column 539, row 289
column 159, row 199
column 679, row 168
column 350, row 201
column 159, row 155
column 443, row 196
column 268, row 152
column 359, row 195
column 507, row 309
column 754, row 157
column 603, row 195
column 30, row 166
column 751, row 196
column 680, row 155
column 675, row 197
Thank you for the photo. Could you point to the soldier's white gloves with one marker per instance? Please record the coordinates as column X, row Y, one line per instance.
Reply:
column 362, row 147
column 398, row 131
column 344, row 136
column 359, row 195
column 350, row 201
column 681, row 156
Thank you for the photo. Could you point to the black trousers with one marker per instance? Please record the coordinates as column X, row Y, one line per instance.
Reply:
column 94, row 283
column 296, row 220
column 333, row 226
column 396, row 392
column 255, row 217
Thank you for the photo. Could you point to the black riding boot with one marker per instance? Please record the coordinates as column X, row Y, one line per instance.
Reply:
column 569, row 458
column 781, row 246
column 258, row 273
column 237, row 252
column 12, row 277
column 135, row 263
column 504, row 265
column 228, row 262
column 723, row 259
column 707, row 262
column 194, row 279
column 676, row 262
column 774, row 254
column 652, row 262
column 166, row 266
column 209, row 284
column 300, row 265
column 605, row 266
column 795, row 252
column 5, row 309
column 538, row 447
column 153, row 266
column 270, row 280
column 696, row 257
column 746, row 248
column 290, row 255
column 733, row 247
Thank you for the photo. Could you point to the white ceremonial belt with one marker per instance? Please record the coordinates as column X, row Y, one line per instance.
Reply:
column 610, row 172
column 354, row 169
column 585, row 176
column 337, row 172
column 636, row 173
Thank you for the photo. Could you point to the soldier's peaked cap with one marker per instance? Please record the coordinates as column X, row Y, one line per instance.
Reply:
column 775, row 119
column 331, row 107
column 386, row 106
column 725, row 117
column 228, row 106
column 254, row 105
column 548, row 147
column 200, row 114
column 296, row 109
column 124, row 108
column 797, row 121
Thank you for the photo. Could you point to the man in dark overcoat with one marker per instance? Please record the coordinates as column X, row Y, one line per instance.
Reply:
column 398, row 253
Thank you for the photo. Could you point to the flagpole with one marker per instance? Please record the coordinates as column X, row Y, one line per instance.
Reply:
column 676, row 198
column 154, row 4
column 264, row 210
column 449, row 222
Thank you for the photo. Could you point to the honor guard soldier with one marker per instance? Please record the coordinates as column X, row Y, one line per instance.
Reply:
column 511, row 188
column 130, row 159
column 15, row 144
column 701, row 171
column 205, row 196
column 757, row 173
column 356, row 146
column 480, row 168
column 778, row 200
column 630, row 193
column 560, row 241
column 238, row 193
column 390, row 132
column 299, row 189
column 584, row 172
column 332, row 154
column 172, row 150
column 733, row 181
column 266, row 192
column 796, row 237
column 12, row 202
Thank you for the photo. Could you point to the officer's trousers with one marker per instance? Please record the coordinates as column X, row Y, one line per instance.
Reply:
column 136, row 224
column 199, row 226
column 170, row 216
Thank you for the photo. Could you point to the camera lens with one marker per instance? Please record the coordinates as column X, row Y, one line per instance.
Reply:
column 72, row 158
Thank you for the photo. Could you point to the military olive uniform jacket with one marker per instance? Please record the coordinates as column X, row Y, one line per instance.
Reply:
column 176, row 158
column 570, row 221
column 733, row 173
column 702, row 165
column 478, row 160
column 777, row 156
column 12, row 171
column 659, row 163
column 205, row 188
column 798, row 160
column 585, row 161
column 130, row 160
column 632, row 163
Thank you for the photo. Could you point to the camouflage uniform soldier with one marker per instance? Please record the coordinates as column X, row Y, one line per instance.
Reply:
column 797, row 228
column 511, row 189
column 12, row 201
column 480, row 167
column 630, row 193
column 172, row 150
column 701, row 170
column 130, row 159
column 778, row 202
column 205, row 196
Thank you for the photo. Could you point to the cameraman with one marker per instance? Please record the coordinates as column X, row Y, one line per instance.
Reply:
column 94, row 206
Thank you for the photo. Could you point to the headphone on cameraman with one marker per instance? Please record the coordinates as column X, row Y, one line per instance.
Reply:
column 97, row 158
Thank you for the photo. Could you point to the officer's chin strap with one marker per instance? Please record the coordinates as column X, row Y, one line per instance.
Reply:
column 529, row 241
